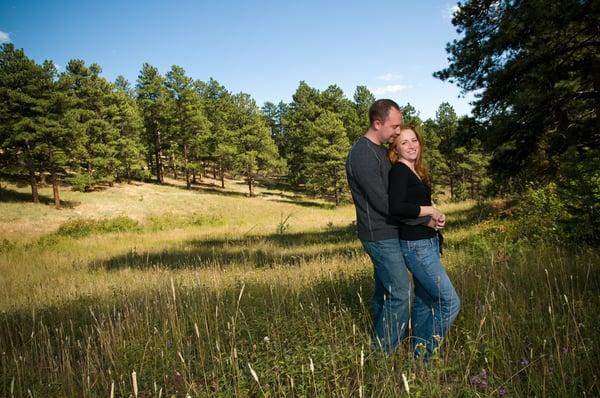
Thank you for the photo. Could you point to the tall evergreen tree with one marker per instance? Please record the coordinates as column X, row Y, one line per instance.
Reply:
column 303, row 110
column 363, row 98
column 446, row 125
column 274, row 115
column 256, row 150
column 152, row 98
column 22, row 83
column 325, row 156
column 189, row 127
column 131, row 151
column 96, row 108
column 218, row 104
column 536, row 67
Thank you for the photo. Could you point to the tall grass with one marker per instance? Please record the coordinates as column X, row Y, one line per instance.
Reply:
column 204, row 311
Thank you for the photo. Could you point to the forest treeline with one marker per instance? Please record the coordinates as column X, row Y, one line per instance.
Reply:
column 80, row 128
column 534, row 133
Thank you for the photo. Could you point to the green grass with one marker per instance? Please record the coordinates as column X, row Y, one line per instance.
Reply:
column 220, row 295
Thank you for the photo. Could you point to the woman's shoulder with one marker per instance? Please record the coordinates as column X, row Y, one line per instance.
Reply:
column 400, row 168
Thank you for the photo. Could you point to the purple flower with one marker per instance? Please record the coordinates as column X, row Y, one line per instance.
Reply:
column 524, row 362
column 483, row 374
column 474, row 380
column 502, row 391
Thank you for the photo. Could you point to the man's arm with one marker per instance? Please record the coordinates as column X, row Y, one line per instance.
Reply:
column 365, row 169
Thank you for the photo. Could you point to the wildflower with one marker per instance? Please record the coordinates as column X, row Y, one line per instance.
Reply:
column 502, row 391
column 266, row 339
column 524, row 362
column 483, row 374
column 474, row 380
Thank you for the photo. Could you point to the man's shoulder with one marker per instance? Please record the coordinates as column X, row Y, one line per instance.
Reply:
column 363, row 147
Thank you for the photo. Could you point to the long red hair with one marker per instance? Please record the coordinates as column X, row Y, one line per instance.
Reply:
column 419, row 165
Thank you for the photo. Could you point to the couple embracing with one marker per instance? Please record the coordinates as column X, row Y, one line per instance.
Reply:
column 398, row 228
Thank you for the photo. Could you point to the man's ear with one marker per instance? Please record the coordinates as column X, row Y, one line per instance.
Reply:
column 377, row 124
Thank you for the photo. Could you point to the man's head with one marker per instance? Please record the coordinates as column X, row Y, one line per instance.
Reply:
column 385, row 118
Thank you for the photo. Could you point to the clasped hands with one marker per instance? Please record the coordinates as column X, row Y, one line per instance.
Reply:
column 438, row 220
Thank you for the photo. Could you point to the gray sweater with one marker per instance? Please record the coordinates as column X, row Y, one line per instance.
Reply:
column 367, row 169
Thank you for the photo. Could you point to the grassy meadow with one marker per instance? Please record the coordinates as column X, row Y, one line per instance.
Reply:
column 155, row 291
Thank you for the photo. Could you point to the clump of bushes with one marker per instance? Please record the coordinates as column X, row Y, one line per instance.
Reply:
column 165, row 222
column 550, row 211
column 80, row 228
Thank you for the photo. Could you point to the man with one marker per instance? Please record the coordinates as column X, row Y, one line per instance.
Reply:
column 367, row 168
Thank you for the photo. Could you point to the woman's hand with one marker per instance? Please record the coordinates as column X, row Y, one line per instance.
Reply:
column 440, row 222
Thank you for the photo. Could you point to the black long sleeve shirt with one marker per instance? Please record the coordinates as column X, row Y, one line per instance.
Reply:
column 406, row 194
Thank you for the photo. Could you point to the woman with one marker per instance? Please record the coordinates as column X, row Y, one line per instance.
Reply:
column 436, row 303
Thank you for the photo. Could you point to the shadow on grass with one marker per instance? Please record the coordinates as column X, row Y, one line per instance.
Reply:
column 257, row 251
column 217, row 190
column 204, row 188
column 263, row 305
column 11, row 196
column 305, row 203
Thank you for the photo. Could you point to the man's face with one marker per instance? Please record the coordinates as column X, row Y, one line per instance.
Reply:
column 390, row 128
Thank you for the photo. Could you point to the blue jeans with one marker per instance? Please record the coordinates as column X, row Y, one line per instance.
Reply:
column 436, row 303
column 391, row 298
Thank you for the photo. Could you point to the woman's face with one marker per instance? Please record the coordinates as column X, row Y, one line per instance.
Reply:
column 407, row 146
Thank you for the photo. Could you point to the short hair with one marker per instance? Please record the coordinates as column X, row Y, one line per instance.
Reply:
column 380, row 109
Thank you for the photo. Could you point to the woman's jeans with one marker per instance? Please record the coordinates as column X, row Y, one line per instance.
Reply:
column 436, row 303
column 391, row 298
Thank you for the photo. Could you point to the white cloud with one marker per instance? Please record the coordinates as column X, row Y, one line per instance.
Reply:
column 57, row 66
column 4, row 37
column 450, row 11
column 388, row 77
column 389, row 89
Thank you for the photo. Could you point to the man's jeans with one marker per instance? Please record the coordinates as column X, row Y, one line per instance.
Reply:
column 391, row 298
column 436, row 303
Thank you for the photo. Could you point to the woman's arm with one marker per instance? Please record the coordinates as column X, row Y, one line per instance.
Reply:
column 398, row 206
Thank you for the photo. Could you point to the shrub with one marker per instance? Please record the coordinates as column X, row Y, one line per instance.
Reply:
column 81, row 182
column 84, row 227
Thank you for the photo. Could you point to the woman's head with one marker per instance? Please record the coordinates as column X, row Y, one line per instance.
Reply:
column 408, row 148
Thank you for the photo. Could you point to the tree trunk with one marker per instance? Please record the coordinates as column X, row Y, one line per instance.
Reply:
column 158, row 156
column 250, row 181
column 336, row 191
column 194, row 176
column 596, row 80
column 35, row 197
column 53, row 177
column 128, row 174
column 172, row 162
column 186, row 150
column 222, row 173
column 214, row 170
column 42, row 177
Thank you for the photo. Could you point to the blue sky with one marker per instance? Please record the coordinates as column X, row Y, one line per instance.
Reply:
column 263, row 48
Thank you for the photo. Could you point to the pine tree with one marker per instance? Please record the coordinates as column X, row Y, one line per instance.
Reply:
column 22, row 83
column 325, row 156
column 363, row 98
column 218, row 105
column 256, row 150
column 131, row 151
column 152, row 99
column 96, row 108
column 190, row 127
column 303, row 110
